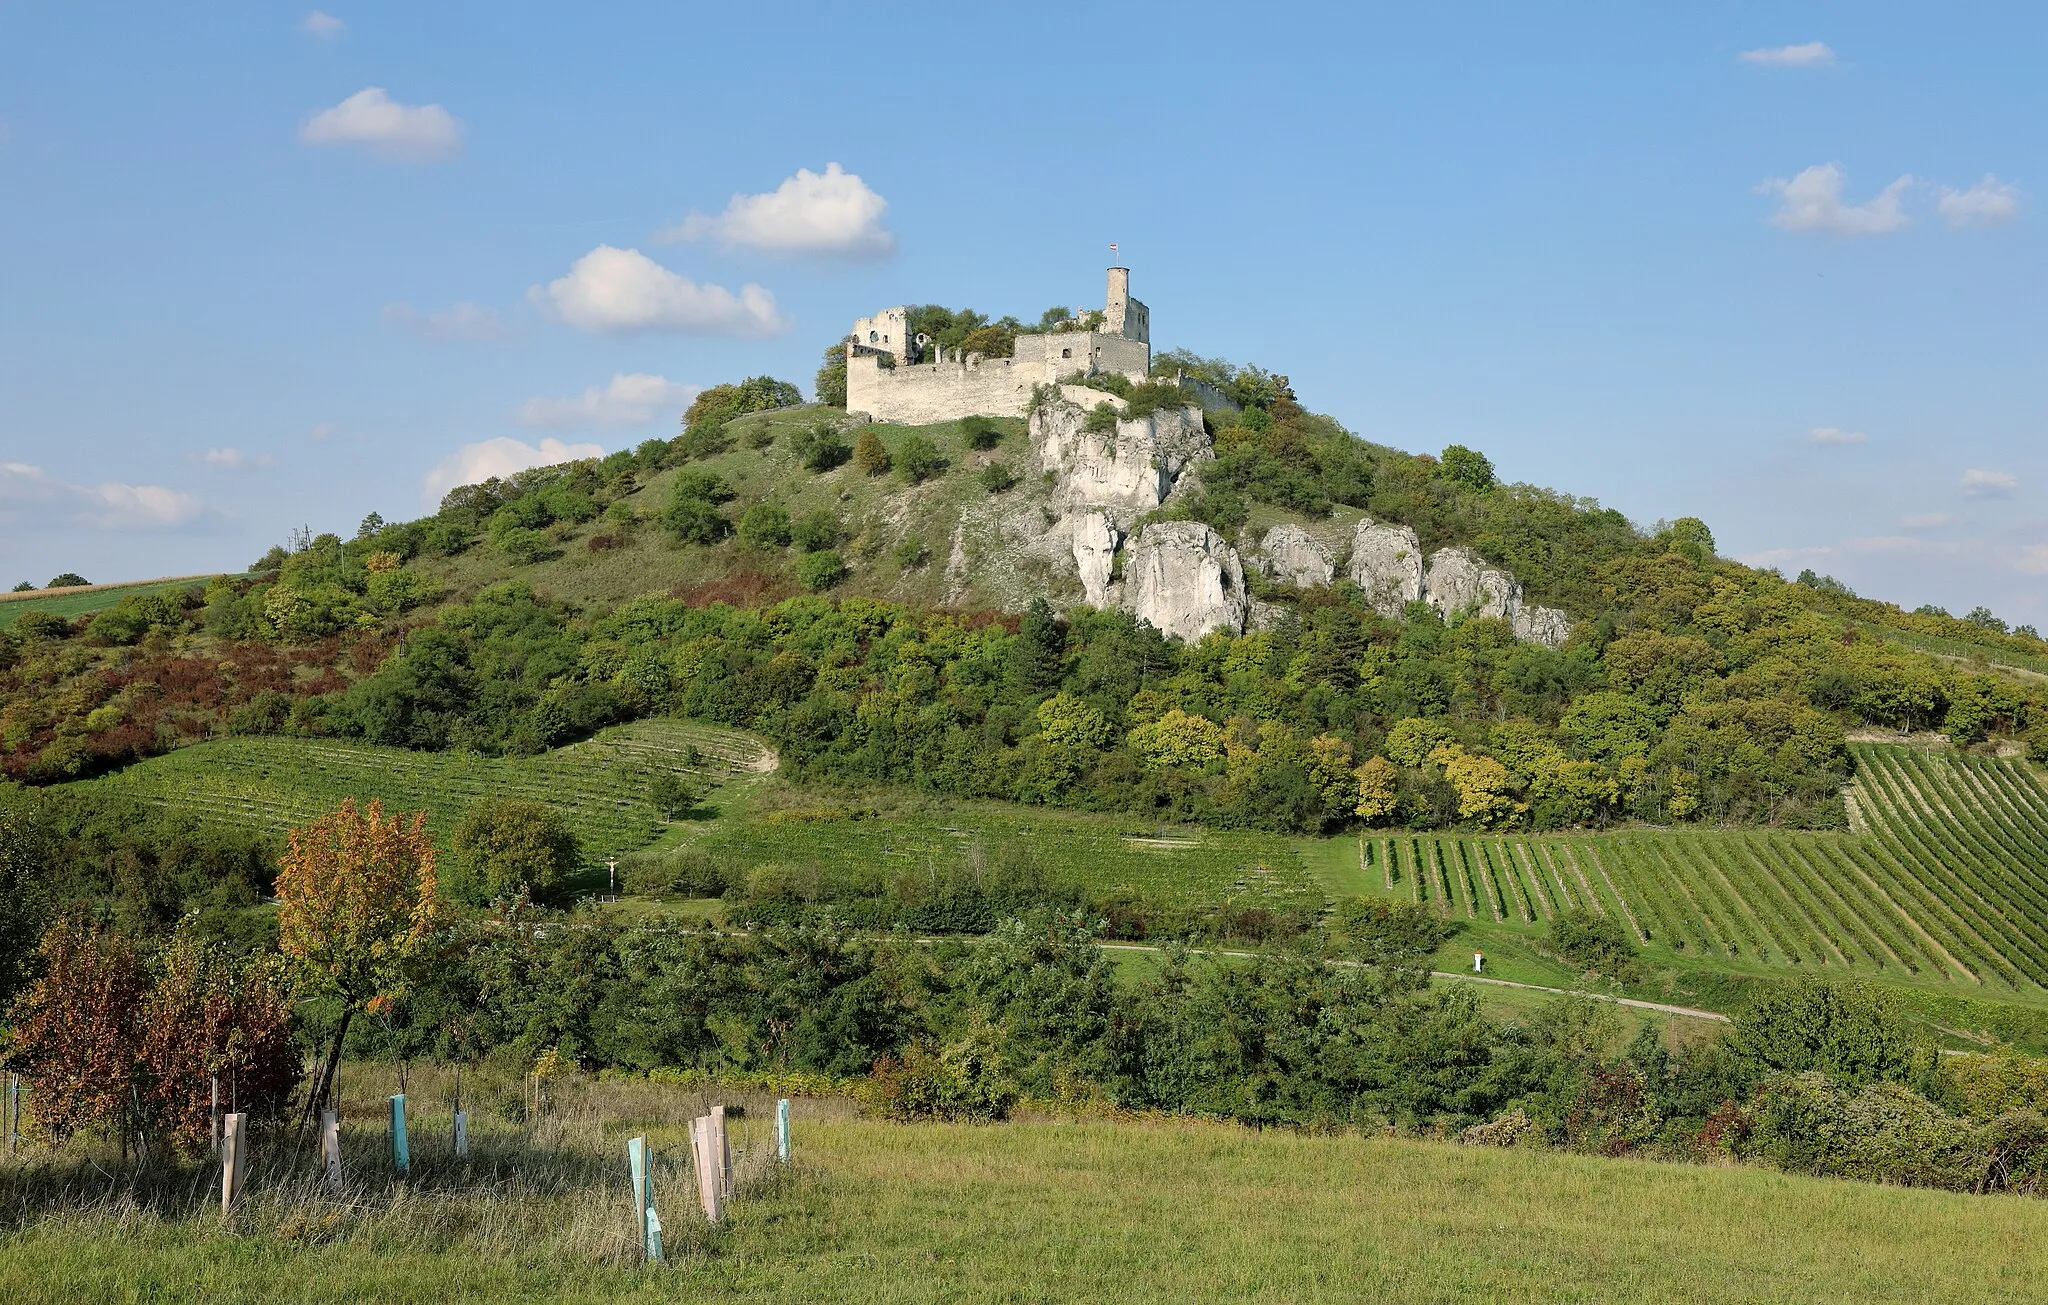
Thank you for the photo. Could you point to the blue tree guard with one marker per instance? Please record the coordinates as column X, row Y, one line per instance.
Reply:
column 638, row 1157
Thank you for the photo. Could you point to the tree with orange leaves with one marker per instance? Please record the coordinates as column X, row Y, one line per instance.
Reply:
column 356, row 901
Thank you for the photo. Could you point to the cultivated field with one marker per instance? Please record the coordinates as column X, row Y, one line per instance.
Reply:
column 78, row 601
column 1047, row 1211
column 600, row 785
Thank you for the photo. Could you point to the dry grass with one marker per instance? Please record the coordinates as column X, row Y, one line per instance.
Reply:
column 1038, row 1211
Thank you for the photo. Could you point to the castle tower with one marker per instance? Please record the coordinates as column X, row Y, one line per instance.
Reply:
column 1123, row 315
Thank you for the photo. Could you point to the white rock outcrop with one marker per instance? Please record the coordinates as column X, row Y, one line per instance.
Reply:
column 1386, row 562
column 1292, row 556
column 1185, row 580
column 1545, row 625
column 1458, row 583
column 1095, row 537
column 1132, row 467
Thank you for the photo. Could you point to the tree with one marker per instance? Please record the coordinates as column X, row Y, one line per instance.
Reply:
column 982, row 432
column 870, row 454
column 997, row 477
column 25, row 870
column 77, row 1030
column 504, row 848
column 1852, row 1032
column 211, row 1015
column 918, row 459
column 672, row 794
column 1467, row 467
column 820, row 447
column 356, row 901
column 68, row 580
column 830, row 383
column 692, row 514
column 817, row 531
column 1379, row 783
column 820, row 570
column 765, row 525
column 370, row 526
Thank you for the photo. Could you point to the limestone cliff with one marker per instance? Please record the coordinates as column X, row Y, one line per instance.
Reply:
column 1386, row 562
column 1186, row 580
column 1292, row 556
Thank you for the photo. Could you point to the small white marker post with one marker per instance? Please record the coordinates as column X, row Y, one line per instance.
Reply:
column 462, row 1135
column 330, row 1150
column 782, row 1131
column 234, row 1144
column 1478, row 962
column 13, row 1119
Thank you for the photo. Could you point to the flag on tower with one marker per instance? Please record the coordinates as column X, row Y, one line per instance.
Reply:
column 1112, row 246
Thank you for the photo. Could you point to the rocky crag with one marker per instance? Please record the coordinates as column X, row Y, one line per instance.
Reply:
column 1108, row 479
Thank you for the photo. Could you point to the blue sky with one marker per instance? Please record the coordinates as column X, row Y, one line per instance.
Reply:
column 1777, row 266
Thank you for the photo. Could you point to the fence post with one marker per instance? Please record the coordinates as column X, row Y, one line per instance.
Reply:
column 330, row 1150
column 710, row 1195
column 782, row 1131
column 401, row 1154
column 234, row 1145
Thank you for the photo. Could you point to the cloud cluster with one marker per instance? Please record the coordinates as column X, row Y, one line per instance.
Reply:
column 473, row 463
column 1812, row 201
column 1986, row 204
column 30, row 495
column 1830, row 435
column 462, row 320
column 372, row 119
column 226, row 459
column 1812, row 54
column 831, row 212
column 324, row 26
column 1978, row 483
column 631, row 399
column 615, row 291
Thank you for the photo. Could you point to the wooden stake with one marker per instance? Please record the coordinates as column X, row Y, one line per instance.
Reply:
column 710, row 1193
column 330, row 1150
column 234, row 1144
column 722, row 1150
column 214, row 1113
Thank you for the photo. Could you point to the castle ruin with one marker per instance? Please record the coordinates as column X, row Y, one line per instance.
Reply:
column 892, row 377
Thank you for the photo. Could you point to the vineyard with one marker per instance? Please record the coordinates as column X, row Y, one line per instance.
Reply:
column 1172, row 865
column 1946, row 878
column 600, row 785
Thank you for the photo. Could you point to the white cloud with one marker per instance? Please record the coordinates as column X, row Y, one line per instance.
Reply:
column 29, row 493
column 502, row 456
column 1926, row 520
column 1812, row 54
column 631, row 399
column 226, row 459
column 1977, row 483
column 1812, row 201
column 372, row 119
column 322, row 433
column 1986, row 204
column 619, row 290
column 459, row 321
column 829, row 212
column 1829, row 435
column 324, row 26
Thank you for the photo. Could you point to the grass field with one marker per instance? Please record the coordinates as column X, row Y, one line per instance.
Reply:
column 98, row 598
column 1045, row 1211
column 600, row 785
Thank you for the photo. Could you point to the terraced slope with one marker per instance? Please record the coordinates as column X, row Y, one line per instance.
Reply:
column 600, row 784
column 1947, row 878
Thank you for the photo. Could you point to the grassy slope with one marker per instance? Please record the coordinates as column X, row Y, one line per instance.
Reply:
column 1034, row 1211
column 877, row 512
column 96, row 599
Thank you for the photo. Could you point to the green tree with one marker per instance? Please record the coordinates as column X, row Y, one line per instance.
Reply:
column 1467, row 467
column 672, row 794
column 765, row 525
column 918, row 460
column 870, row 454
column 1852, row 1032
column 503, row 847
column 820, row 570
column 982, row 433
column 830, row 383
column 68, row 580
column 817, row 531
column 820, row 447
column 997, row 478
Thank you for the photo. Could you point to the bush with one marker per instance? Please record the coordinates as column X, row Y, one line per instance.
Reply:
column 912, row 553
column 1850, row 1031
column 963, row 1081
column 765, row 525
column 1593, row 941
column 817, row 532
column 982, row 433
column 997, row 477
column 870, row 454
column 690, row 872
column 821, row 570
column 820, row 447
column 503, row 848
column 919, row 459
column 1380, row 932
column 524, row 547
column 68, row 580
